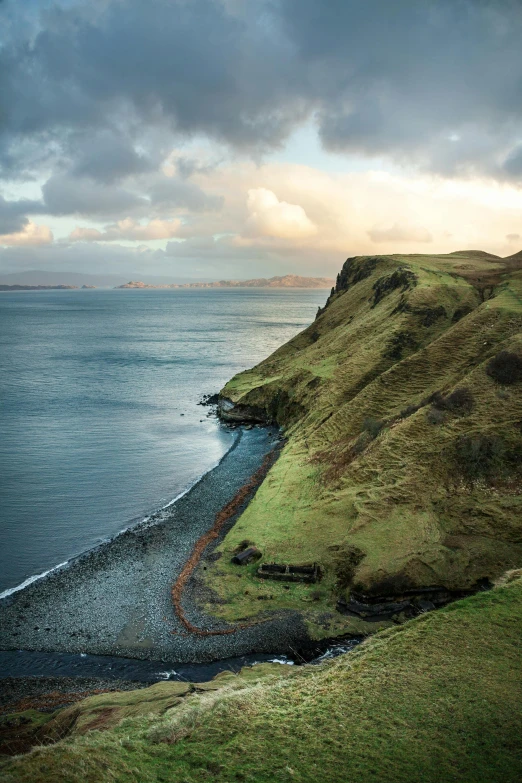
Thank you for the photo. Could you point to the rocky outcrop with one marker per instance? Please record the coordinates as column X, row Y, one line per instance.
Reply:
column 236, row 413
column 137, row 284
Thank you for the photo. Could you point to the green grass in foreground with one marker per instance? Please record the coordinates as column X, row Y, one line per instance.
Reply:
column 435, row 700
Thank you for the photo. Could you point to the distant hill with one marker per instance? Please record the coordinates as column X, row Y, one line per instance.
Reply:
column 40, row 287
column 286, row 281
column 37, row 277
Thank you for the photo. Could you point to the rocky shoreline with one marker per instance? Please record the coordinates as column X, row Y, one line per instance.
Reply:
column 115, row 600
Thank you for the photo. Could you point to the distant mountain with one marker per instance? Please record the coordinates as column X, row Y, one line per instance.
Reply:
column 286, row 281
column 40, row 277
column 37, row 277
column 41, row 287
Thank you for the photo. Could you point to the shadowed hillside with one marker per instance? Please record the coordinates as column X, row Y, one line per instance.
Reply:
column 402, row 405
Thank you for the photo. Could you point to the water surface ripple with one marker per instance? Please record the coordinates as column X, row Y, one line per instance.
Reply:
column 100, row 424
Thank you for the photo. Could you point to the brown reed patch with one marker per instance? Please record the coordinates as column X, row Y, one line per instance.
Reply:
column 228, row 511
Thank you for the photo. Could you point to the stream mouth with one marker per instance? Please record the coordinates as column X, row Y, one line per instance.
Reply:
column 28, row 663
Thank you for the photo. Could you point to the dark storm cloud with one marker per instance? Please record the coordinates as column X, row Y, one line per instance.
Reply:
column 12, row 219
column 108, row 157
column 66, row 195
column 170, row 192
column 513, row 163
column 436, row 83
column 70, row 193
column 190, row 63
column 13, row 214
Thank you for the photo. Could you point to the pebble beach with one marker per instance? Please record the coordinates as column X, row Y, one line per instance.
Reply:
column 116, row 599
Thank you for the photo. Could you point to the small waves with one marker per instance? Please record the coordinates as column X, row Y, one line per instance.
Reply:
column 100, row 394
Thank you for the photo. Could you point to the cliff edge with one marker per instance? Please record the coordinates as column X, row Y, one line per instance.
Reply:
column 402, row 409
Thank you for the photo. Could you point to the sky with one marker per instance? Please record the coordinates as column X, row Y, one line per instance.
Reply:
column 211, row 139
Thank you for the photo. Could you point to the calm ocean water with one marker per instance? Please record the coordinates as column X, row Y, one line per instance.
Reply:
column 100, row 422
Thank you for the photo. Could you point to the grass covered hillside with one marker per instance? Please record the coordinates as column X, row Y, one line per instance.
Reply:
column 400, row 476
column 436, row 699
column 402, row 408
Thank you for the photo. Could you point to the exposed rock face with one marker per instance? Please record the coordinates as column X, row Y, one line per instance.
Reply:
column 230, row 412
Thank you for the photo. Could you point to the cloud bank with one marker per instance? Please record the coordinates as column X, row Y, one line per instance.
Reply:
column 270, row 217
column 102, row 99
column 434, row 81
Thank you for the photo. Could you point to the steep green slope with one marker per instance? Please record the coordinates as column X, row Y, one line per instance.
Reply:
column 390, row 480
column 437, row 699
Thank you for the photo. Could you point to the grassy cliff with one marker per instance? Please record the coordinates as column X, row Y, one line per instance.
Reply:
column 402, row 406
column 436, row 699
column 402, row 409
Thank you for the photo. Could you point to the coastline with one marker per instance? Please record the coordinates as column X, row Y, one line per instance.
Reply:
column 115, row 599
column 142, row 523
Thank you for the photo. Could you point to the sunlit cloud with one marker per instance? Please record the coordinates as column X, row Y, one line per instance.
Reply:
column 270, row 217
column 209, row 157
column 31, row 236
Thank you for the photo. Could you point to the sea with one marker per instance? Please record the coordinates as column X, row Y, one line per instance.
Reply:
column 100, row 419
